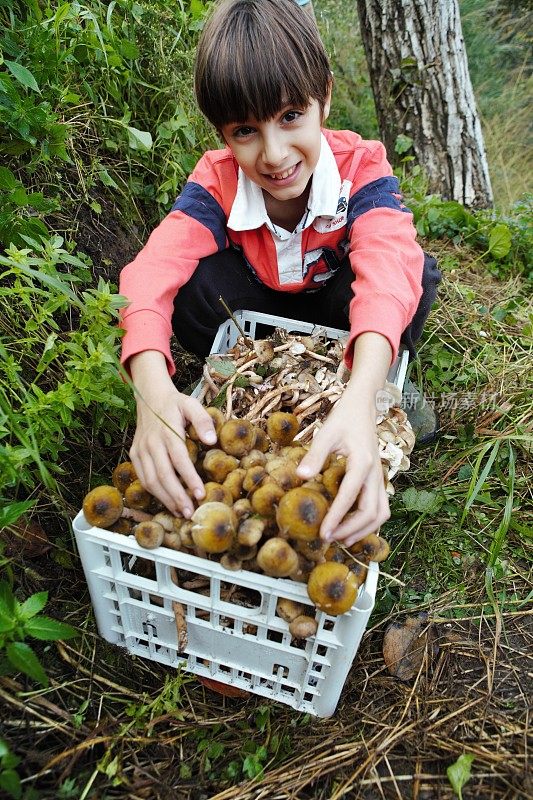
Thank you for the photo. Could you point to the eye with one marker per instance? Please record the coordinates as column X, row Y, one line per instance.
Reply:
column 291, row 116
column 243, row 132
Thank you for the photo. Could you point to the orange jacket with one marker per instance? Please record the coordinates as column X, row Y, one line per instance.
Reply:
column 354, row 207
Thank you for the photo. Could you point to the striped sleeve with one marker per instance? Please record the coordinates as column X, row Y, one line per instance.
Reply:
column 386, row 259
column 194, row 229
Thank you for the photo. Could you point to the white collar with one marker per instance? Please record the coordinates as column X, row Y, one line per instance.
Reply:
column 248, row 211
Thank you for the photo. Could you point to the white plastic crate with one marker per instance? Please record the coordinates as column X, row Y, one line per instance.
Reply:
column 249, row 648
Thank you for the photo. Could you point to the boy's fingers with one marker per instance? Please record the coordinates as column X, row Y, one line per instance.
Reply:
column 201, row 421
column 346, row 497
column 312, row 462
column 160, row 479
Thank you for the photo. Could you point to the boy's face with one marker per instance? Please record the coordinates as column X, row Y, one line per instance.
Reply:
column 280, row 154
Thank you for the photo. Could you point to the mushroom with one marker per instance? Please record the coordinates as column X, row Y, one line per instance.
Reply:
column 303, row 627
column 261, row 440
column 217, row 464
column 371, row 548
column 332, row 478
column 149, row 534
column 250, row 531
column 242, row 508
column 253, row 479
column 264, row 350
column 172, row 540
column 288, row 609
column 123, row 475
column 265, row 499
column 231, row 562
column 300, row 513
column 122, row 525
column 253, row 458
column 237, row 437
column 284, row 473
column 137, row 497
column 218, row 493
column 282, row 427
column 332, row 587
column 277, row 558
column 102, row 506
column 233, row 482
column 166, row 520
column 213, row 527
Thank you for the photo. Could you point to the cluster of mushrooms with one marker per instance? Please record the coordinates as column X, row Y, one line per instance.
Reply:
column 258, row 514
column 305, row 375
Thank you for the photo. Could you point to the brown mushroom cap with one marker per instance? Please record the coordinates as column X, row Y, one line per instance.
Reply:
column 231, row 561
column 216, row 492
column 371, row 548
column 102, row 506
column 300, row 513
column 332, row 478
column 192, row 449
column 265, row 499
column 255, row 457
column 123, row 475
column 282, row 427
column 233, row 482
column 137, row 497
column 149, row 534
column 288, row 609
column 303, row 627
column 217, row 464
column 250, row 531
column 242, row 508
column 172, row 540
column 332, row 587
column 122, row 525
column 237, row 437
column 277, row 558
column 261, row 440
column 284, row 474
column 254, row 478
column 213, row 527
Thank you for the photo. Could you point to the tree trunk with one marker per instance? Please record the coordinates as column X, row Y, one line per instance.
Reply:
column 419, row 72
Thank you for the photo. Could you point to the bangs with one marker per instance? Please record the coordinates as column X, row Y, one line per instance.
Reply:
column 253, row 60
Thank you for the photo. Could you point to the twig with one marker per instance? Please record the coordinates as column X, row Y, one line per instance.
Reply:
column 362, row 564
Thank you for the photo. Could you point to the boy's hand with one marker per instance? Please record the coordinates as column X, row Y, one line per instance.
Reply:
column 350, row 431
column 158, row 452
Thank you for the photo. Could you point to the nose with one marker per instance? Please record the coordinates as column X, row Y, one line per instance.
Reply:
column 274, row 148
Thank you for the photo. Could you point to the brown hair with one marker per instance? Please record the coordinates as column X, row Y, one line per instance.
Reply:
column 257, row 56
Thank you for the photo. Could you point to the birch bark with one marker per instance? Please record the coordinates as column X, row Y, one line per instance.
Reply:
column 421, row 84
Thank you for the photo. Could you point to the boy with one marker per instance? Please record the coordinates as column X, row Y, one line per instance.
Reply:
column 288, row 219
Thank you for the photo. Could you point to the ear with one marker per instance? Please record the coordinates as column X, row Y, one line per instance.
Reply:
column 327, row 103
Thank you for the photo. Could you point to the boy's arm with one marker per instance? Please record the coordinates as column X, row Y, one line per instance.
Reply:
column 386, row 259
column 158, row 451
column 350, row 431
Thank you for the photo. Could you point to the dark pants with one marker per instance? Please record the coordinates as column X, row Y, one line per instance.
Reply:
column 198, row 311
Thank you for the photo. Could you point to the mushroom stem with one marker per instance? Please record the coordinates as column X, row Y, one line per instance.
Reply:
column 209, row 380
column 136, row 515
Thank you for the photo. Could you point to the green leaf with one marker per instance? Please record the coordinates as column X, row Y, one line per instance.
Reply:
column 225, row 367
column 50, row 629
column 22, row 75
column 500, row 241
column 139, row 140
column 11, row 512
column 10, row 783
column 403, row 144
column 33, row 605
column 459, row 773
column 24, row 660
column 7, row 179
column 7, row 600
column 423, row 501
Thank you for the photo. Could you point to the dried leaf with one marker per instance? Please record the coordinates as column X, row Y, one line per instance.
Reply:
column 405, row 646
column 26, row 538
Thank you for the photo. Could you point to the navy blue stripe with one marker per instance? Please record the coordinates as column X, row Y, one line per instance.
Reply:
column 378, row 194
column 196, row 202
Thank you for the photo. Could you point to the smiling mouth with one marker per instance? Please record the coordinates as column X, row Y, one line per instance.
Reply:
column 281, row 176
